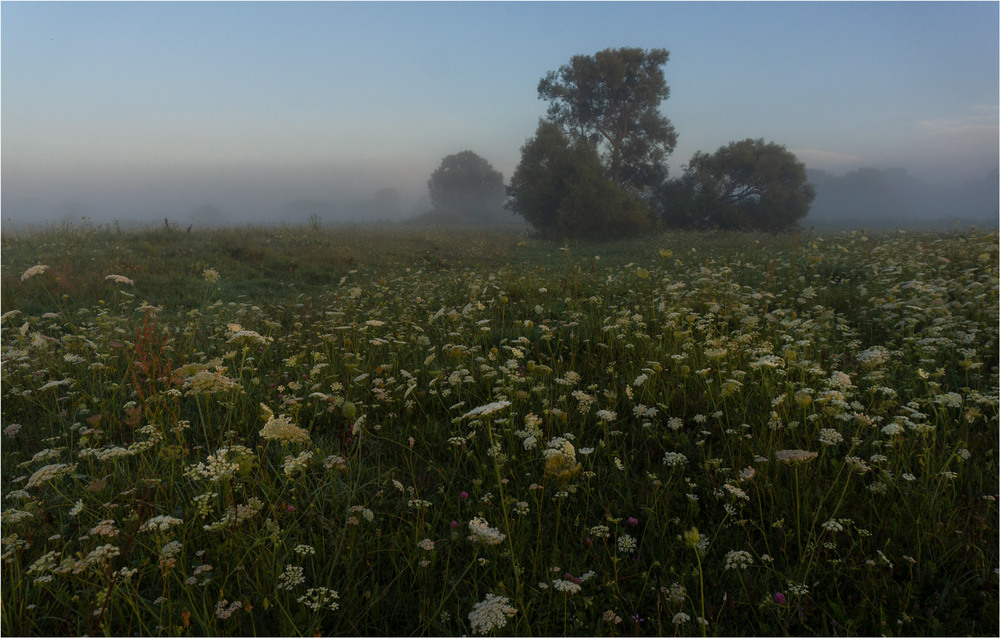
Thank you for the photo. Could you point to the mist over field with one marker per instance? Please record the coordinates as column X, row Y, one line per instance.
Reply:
column 213, row 114
column 863, row 197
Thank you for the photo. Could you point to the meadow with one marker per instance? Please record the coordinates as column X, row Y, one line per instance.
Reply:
column 327, row 431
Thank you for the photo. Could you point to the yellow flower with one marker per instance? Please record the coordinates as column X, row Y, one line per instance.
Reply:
column 691, row 538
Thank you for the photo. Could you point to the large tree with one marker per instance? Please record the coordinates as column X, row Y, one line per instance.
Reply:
column 560, row 188
column 750, row 184
column 612, row 99
column 466, row 184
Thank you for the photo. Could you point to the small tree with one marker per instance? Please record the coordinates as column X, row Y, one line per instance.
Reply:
column 466, row 184
column 745, row 185
column 612, row 100
column 561, row 189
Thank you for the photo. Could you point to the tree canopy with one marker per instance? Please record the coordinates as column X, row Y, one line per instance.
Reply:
column 467, row 184
column 749, row 184
column 612, row 100
column 561, row 189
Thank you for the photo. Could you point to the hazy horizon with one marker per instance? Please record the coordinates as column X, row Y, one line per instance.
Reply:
column 140, row 111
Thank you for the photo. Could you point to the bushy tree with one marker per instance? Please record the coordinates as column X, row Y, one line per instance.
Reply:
column 467, row 185
column 612, row 100
column 560, row 188
column 750, row 184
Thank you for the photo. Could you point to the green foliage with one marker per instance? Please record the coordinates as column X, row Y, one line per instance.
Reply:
column 466, row 184
column 745, row 185
column 460, row 430
column 561, row 189
column 612, row 100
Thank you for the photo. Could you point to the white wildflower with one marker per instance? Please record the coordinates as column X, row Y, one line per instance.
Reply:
column 490, row 613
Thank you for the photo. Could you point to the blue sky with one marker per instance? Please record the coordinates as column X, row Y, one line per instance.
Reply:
column 161, row 107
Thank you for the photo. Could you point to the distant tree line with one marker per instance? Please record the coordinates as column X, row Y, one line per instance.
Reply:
column 596, row 165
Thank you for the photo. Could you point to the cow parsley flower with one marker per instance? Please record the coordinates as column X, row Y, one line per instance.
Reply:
column 206, row 382
column 282, row 429
column 159, row 524
column 792, row 457
column 426, row 544
column 490, row 613
column 566, row 586
column 317, row 598
column 738, row 559
column 48, row 473
column 626, row 544
column 34, row 270
column 290, row 578
column 483, row 533
column 485, row 410
column 829, row 436
column 673, row 459
column 295, row 464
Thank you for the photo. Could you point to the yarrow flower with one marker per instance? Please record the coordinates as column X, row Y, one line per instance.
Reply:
column 120, row 279
column 490, row 613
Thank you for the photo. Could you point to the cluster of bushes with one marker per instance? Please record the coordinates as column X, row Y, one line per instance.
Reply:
column 596, row 166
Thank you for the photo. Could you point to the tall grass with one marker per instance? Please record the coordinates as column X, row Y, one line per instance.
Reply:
column 299, row 431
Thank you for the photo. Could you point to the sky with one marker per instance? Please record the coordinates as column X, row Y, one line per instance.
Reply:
column 150, row 110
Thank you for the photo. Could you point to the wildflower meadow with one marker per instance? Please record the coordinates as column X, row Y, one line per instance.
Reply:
column 306, row 431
